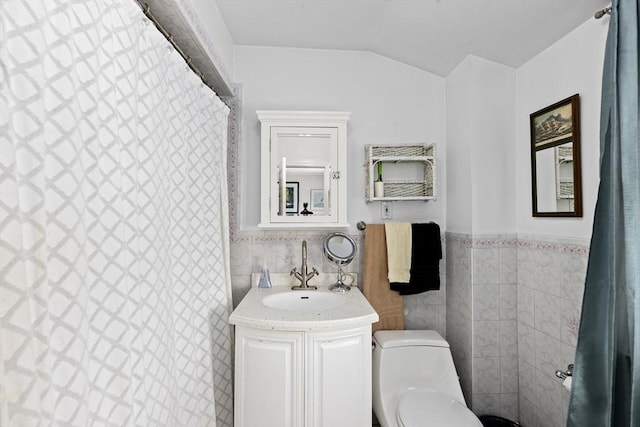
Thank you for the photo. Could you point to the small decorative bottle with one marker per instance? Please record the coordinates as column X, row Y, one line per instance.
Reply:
column 265, row 277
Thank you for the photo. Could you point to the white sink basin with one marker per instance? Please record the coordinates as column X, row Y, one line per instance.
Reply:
column 303, row 301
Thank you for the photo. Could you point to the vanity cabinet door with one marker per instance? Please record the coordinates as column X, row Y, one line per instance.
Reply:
column 269, row 378
column 339, row 378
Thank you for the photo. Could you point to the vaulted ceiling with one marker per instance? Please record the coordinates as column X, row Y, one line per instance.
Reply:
column 433, row 35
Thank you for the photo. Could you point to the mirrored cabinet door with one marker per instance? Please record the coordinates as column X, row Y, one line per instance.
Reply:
column 302, row 173
column 303, row 169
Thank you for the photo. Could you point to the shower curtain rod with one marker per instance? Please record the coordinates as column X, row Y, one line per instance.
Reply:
column 167, row 35
column 602, row 12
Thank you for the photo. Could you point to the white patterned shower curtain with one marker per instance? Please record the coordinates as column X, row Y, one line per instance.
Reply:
column 115, row 290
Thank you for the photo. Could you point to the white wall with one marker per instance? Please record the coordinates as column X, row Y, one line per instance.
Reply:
column 572, row 65
column 459, row 139
column 481, row 147
column 493, row 147
column 390, row 103
column 393, row 103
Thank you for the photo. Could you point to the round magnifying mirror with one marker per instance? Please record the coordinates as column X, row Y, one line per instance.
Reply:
column 340, row 250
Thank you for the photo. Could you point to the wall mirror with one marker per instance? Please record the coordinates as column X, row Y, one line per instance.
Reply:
column 340, row 250
column 555, row 160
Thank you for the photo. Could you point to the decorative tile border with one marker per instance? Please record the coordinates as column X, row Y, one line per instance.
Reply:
column 459, row 239
column 541, row 243
column 291, row 236
column 486, row 241
column 553, row 244
column 490, row 242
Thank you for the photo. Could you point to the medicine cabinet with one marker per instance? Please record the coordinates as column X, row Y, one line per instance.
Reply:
column 408, row 172
column 303, row 169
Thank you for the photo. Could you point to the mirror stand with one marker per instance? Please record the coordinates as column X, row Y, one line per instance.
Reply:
column 340, row 250
column 339, row 286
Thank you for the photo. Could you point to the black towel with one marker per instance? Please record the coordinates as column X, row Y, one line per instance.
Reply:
column 426, row 253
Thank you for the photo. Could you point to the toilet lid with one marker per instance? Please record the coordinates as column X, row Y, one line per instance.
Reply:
column 427, row 408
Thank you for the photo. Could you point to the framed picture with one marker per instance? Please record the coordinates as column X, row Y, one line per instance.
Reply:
column 317, row 199
column 556, row 181
column 291, row 200
column 554, row 125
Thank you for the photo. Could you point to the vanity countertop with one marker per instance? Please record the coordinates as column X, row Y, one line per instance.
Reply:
column 252, row 312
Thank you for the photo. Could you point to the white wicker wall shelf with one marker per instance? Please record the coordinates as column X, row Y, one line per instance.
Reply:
column 417, row 156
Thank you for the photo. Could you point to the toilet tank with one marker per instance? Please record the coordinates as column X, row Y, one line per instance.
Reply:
column 412, row 359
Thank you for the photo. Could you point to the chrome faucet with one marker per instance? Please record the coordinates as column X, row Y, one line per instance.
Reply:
column 304, row 276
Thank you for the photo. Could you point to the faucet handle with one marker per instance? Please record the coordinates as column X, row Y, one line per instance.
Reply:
column 314, row 272
column 293, row 272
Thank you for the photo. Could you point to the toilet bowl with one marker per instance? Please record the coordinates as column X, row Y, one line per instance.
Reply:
column 415, row 383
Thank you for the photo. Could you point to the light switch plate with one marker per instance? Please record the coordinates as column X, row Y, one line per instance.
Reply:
column 386, row 210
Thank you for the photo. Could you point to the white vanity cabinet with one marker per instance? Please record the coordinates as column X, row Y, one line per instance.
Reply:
column 310, row 379
column 303, row 160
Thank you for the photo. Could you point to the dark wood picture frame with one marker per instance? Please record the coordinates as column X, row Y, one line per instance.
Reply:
column 556, row 127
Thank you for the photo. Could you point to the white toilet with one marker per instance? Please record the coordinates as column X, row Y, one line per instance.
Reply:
column 415, row 383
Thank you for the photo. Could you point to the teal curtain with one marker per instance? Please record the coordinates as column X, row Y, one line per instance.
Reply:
column 606, row 383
